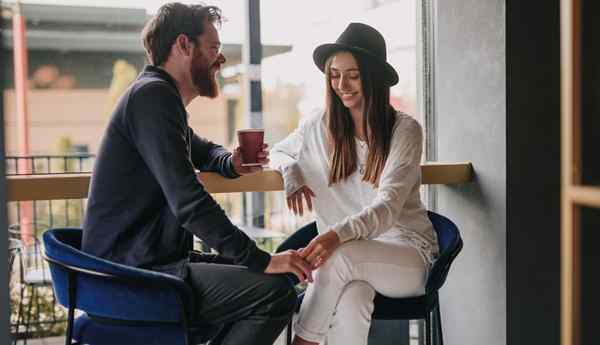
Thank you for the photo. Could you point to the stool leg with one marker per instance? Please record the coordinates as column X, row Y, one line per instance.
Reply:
column 21, row 313
column 440, row 337
column 32, row 297
column 428, row 329
column 288, row 333
column 71, row 313
column 421, row 334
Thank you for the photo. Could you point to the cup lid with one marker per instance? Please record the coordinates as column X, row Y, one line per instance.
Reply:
column 251, row 130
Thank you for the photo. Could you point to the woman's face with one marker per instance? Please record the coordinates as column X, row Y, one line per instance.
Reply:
column 344, row 77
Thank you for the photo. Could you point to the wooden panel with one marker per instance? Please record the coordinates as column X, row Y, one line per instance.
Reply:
column 585, row 196
column 269, row 180
column 446, row 173
column 570, row 13
column 47, row 187
column 53, row 187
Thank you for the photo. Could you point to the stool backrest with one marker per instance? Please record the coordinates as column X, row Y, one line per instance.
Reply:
column 111, row 290
column 450, row 244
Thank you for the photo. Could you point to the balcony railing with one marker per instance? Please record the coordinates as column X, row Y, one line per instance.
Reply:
column 49, row 164
column 34, row 312
column 50, row 187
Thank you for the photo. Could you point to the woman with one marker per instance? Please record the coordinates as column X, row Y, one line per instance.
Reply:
column 358, row 162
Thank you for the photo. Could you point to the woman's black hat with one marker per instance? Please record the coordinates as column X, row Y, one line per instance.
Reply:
column 361, row 39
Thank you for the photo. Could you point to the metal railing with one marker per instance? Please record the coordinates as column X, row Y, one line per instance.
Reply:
column 33, row 307
column 51, row 212
column 49, row 164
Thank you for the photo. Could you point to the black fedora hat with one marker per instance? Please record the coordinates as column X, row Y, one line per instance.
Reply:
column 361, row 39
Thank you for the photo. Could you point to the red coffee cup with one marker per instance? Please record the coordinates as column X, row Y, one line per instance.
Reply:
column 251, row 143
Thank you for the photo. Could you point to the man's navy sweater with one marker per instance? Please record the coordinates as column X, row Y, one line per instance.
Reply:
column 145, row 200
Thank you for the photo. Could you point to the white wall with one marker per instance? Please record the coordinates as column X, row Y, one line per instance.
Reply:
column 470, row 96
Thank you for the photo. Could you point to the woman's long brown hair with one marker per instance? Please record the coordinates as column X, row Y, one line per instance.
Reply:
column 378, row 122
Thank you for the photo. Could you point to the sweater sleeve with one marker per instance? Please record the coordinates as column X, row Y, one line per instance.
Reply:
column 285, row 155
column 208, row 156
column 159, row 132
column 402, row 171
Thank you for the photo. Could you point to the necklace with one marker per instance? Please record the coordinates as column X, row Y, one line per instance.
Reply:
column 361, row 164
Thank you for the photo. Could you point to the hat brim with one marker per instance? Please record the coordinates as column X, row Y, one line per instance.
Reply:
column 324, row 51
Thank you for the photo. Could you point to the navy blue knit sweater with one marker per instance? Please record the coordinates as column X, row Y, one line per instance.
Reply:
column 145, row 200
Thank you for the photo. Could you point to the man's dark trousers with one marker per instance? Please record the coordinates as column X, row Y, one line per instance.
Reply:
column 252, row 307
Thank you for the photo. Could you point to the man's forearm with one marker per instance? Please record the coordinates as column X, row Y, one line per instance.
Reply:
column 208, row 156
column 217, row 231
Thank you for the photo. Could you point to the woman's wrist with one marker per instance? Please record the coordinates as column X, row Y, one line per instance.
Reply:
column 292, row 178
column 344, row 233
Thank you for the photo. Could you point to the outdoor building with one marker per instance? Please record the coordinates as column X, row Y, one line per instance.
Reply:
column 80, row 61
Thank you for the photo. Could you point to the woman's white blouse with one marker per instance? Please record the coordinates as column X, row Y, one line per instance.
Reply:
column 353, row 208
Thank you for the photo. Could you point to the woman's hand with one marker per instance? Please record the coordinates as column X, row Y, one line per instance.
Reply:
column 294, row 200
column 321, row 248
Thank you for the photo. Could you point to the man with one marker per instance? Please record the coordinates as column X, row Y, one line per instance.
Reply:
column 145, row 200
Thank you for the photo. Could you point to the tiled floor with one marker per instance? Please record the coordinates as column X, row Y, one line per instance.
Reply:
column 280, row 341
column 61, row 341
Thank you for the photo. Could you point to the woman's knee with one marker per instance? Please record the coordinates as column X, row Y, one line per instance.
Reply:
column 357, row 299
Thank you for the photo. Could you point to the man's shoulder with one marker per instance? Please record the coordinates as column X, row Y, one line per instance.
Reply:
column 150, row 84
column 149, row 93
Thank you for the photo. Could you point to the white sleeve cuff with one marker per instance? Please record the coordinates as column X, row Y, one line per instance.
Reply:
column 344, row 232
column 292, row 178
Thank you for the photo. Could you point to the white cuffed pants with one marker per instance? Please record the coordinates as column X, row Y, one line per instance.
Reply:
column 338, row 305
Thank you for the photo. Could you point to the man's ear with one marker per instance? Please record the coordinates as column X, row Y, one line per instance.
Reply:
column 183, row 45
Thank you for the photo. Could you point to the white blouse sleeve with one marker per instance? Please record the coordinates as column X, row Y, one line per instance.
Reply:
column 284, row 157
column 402, row 171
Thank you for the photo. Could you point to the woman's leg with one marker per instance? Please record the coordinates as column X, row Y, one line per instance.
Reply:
column 352, row 317
column 392, row 269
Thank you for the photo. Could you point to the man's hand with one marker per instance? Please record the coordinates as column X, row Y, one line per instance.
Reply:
column 290, row 262
column 321, row 248
column 236, row 160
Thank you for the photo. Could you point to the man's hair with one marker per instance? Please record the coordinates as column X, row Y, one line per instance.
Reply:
column 170, row 21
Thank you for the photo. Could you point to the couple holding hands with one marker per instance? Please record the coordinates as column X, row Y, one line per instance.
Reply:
column 356, row 163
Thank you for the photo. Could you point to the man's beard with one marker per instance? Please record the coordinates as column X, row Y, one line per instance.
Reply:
column 204, row 76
